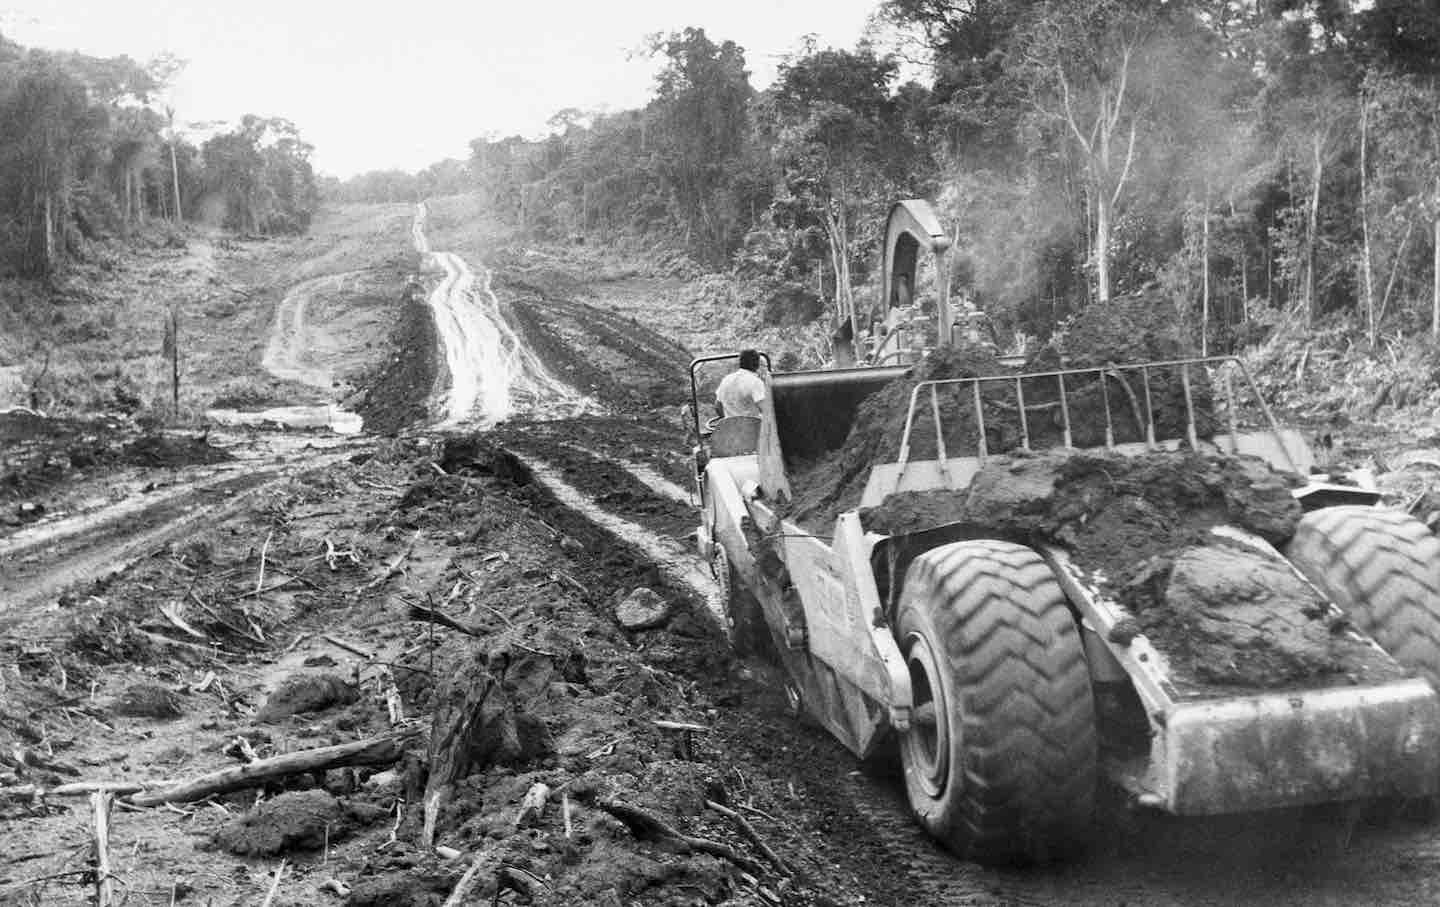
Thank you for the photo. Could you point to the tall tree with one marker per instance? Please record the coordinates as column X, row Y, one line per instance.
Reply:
column 844, row 150
column 700, row 126
column 1079, row 59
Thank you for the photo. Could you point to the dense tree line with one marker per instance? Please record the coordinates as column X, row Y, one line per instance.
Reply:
column 448, row 177
column 1259, row 160
column 87, row 153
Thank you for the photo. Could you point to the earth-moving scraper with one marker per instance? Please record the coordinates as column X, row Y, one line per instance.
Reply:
column 1011, row 678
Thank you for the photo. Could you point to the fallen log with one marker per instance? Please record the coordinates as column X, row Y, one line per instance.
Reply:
column 373, row 751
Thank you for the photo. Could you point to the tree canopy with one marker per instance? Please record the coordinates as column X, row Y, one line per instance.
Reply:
column 87, row 151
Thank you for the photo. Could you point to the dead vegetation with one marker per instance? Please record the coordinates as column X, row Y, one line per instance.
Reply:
column 408, row 684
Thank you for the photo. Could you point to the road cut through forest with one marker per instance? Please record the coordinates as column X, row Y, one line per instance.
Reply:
column 505, row 617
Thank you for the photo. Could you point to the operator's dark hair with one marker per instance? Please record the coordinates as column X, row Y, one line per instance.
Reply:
column 750, row 359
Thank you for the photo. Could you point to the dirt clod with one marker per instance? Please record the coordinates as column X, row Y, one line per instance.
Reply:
column 642, row 609
column 304, row 693
column 173, row 450
column 297, row 820
column 148, row 700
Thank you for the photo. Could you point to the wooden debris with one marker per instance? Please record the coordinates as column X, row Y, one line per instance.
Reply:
column 394, row 704
column 532, row 806
column 393, row 567
column 381, row 750
column 687, row 731
column 275, row 885
column 750, row 833
column 432, row 802
column 680, row 726
column 421, row 612
column 646, row 825
column 100, row 802
column 264, row 550
column 467, row 882
column 170, row 613
column 348, row 646
column 86, row 788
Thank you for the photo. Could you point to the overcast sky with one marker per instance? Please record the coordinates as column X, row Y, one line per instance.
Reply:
column 403, row 84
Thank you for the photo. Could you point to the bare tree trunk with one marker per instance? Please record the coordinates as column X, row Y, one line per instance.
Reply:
column 1435, row 298
column 175, row 183
column 1102, row 247
column 1313, row 228
column 47, row 259
column 1367, row 263
column 1205, row 274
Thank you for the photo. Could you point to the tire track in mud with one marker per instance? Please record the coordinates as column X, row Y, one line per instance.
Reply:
column 629, row 491
column 681, row 568
column 37, row 569
column 493, row 374
column 293, row 338
column 648, row 379
column 641, row 342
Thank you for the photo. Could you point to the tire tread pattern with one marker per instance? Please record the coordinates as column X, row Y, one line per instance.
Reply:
column 1027, row 711
column 1382, row 567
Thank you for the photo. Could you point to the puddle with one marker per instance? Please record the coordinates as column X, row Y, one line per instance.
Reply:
column 340, row 421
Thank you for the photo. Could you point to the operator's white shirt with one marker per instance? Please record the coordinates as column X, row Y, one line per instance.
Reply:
column 741, row 393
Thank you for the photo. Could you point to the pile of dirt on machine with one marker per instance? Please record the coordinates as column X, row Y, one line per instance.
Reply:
column 1225, row 610
column 1138, row 328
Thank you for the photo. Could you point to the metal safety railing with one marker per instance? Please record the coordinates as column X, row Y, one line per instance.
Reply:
column 1221, row 370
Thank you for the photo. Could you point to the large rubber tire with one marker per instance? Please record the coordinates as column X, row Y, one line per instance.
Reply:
column 1382, row 567
column 1000, row 762
column 746, row 629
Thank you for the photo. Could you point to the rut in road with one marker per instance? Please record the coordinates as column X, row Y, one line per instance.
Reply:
column 493, row 375
column 290, row 351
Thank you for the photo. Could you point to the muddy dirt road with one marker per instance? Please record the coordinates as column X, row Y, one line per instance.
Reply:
column 492, row 374
column 529, row 530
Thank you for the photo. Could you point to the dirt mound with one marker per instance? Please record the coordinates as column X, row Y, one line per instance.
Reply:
column 1134, row 329
column 397, row 395
column 1224, row 611
column 301, row 694
column 172, row 450
column 834, row 483
column 297, row 820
